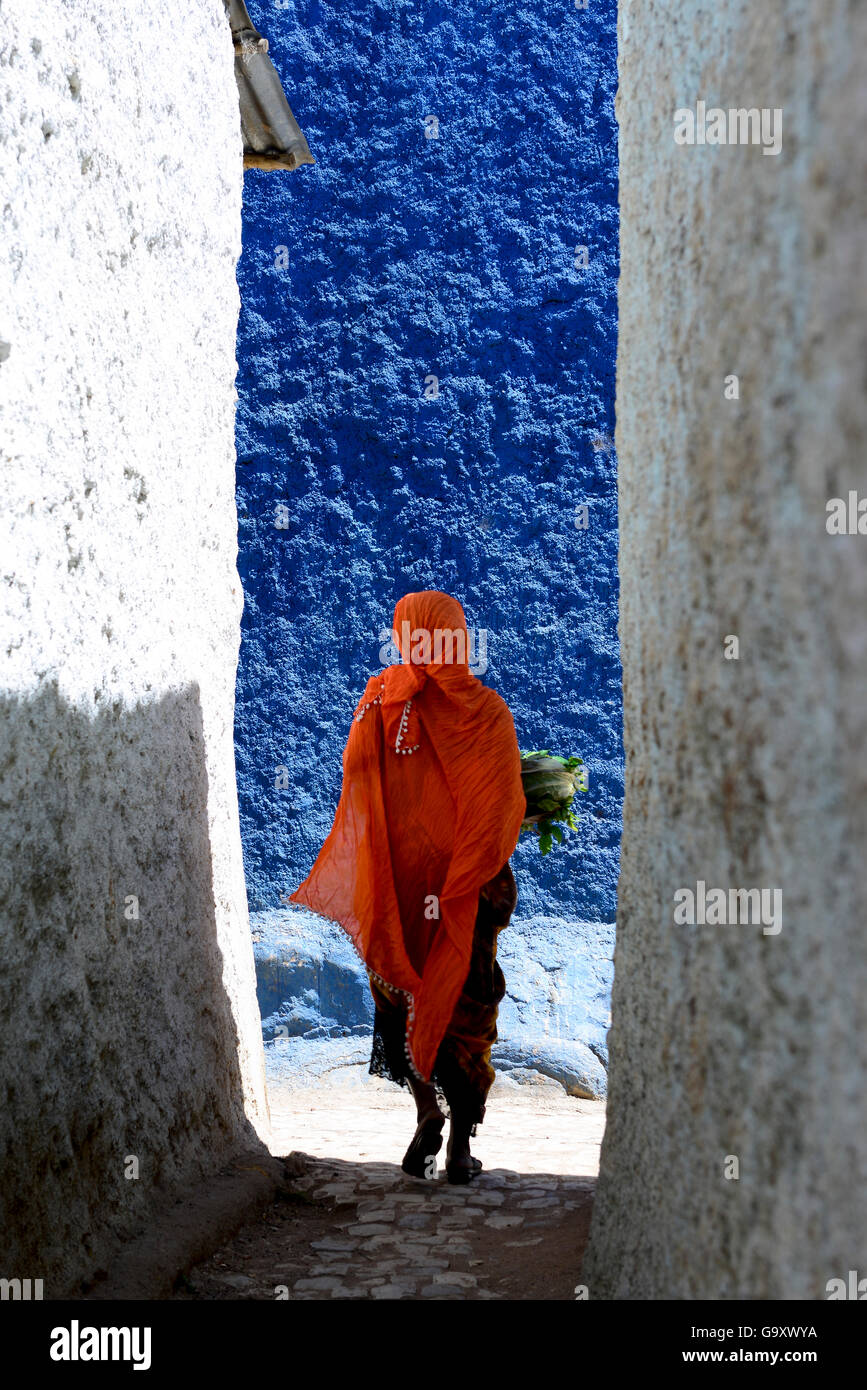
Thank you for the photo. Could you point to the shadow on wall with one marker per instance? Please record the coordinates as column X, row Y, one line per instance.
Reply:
column 317, row 1009
column 120, row 1040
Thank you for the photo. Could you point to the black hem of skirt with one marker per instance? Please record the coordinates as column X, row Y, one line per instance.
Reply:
column 388, row 1060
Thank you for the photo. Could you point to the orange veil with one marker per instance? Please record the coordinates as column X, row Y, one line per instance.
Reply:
column 430, row 810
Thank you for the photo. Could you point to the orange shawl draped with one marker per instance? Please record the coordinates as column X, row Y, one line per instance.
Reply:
column 430, row 810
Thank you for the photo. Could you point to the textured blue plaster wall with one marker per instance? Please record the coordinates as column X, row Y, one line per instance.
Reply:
column 410, row 256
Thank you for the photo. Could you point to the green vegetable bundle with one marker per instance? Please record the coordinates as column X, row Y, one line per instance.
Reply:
column 550, row 783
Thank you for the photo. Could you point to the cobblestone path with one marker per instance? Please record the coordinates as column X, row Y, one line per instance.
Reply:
column 354, row 1226
column 392, row 1240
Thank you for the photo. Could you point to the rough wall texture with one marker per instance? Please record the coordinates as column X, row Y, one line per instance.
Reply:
column 395, row 258
column 127, row 1006
column 750, row 772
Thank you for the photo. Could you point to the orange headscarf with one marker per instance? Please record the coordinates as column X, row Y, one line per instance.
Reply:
column 430, row 810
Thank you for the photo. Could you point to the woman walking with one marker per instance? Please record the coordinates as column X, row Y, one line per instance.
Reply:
column 415, row 869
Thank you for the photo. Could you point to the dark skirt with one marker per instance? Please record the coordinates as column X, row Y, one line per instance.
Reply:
column 462, row 1073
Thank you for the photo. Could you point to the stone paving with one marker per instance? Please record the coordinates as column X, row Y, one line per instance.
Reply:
column 359, row 1227
column 406, row 1238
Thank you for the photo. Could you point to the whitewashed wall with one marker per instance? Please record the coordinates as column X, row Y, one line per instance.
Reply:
column 121, row 174
column 729, row 1042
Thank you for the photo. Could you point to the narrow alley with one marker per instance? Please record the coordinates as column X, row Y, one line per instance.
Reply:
column 352, row 1225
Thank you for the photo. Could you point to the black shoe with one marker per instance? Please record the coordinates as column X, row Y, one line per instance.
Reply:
column 460, row 1173
column 426, row 1143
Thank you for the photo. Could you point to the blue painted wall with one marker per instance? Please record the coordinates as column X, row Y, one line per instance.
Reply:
column 405, row 256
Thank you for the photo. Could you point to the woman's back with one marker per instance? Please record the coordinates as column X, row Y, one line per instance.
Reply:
column 420, row 814
column 430, row 809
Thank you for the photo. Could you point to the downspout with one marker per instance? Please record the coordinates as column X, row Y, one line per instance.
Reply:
column 273, row 138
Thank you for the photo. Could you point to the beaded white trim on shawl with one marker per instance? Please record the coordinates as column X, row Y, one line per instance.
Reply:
column 401, row 729
column 376, row 701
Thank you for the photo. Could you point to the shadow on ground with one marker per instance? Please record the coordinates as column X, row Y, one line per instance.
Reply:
column 349, row 1230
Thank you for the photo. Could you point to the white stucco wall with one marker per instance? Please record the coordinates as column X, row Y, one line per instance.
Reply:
column 727, row 1041
column 121, row 175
